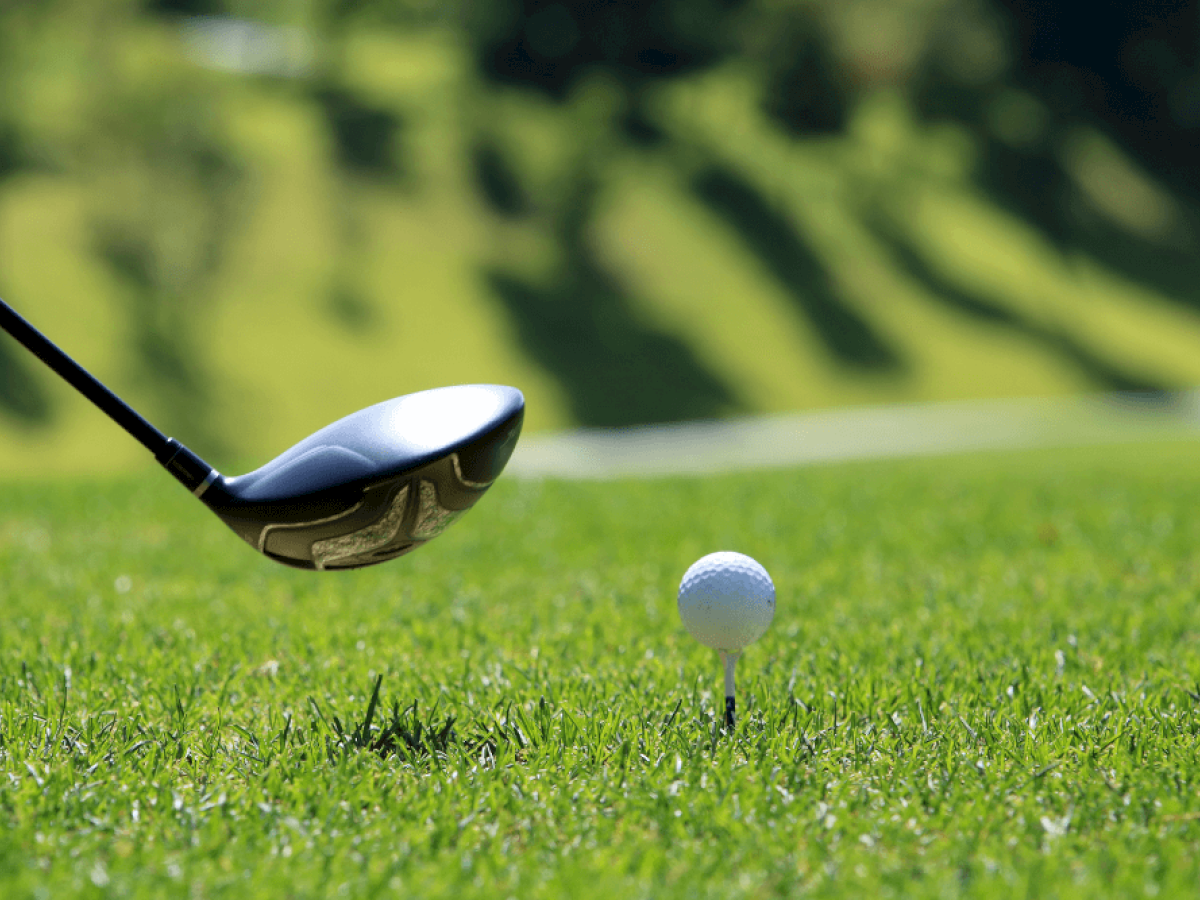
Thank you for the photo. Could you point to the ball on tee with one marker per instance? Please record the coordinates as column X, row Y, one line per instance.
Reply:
column 726, row 600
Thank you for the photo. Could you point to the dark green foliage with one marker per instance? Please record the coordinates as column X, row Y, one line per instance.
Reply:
column 804, row 89
column 549, row 46
column 186, row 7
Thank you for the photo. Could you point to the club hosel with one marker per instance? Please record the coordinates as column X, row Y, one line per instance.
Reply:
column 188, row 468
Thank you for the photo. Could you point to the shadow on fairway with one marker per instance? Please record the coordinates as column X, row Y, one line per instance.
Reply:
column 850, row 339
column 164, row 353
column 615, row 370
column 582, row 326
column 365, row 137
column 22, row 396
column 1025, row 122
column 1105, row 374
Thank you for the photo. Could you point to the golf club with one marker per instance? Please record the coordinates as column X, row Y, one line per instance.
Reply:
column 370, row 487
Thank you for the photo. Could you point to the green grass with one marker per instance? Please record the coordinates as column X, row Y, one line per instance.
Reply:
column 982, row 680
column 274, row 352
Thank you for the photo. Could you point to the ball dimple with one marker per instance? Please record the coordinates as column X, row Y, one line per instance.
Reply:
column 726, row 600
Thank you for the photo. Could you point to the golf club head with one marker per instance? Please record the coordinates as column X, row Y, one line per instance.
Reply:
column 374, row 485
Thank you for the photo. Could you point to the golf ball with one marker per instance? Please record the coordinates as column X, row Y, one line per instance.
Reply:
column 726, row 600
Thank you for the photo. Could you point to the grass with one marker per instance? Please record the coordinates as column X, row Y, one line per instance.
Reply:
column 971, row 302
column 982, row 680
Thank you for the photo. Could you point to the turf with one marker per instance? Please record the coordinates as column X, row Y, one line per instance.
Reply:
column 734, row 268
column 982, row 680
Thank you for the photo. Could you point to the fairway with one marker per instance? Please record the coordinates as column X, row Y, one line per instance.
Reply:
column 982, row 679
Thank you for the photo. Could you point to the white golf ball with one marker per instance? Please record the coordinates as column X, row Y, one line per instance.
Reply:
column 726, row 600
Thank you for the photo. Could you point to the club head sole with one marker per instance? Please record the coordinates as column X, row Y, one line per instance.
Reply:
column 377, row 484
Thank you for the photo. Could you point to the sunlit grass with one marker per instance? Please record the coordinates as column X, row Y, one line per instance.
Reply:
column 982, row 678
column 277, row 355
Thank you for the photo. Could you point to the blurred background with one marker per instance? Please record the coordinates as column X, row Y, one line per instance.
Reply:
column 252, row 218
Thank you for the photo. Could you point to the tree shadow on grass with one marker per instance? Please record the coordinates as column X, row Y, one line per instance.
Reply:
column 365, row 137
column 765, row 231
column 616, row 371
column 1128, row 77
column 1170, row 266
column 164, row 352
column 1100, row 371
column 22, row 396
column 581, row 325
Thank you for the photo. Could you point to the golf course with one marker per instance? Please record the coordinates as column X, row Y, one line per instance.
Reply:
column 949, row 408
column 981, row 680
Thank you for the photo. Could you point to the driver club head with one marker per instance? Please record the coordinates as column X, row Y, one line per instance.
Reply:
column 367, row 488
column 374, row 485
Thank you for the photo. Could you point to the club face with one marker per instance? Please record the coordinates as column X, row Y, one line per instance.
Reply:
column 377, row 484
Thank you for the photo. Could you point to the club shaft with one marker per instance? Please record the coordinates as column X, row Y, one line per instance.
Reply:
column 84, row 382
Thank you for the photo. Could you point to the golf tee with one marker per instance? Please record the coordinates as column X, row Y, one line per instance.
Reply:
column 729, row 661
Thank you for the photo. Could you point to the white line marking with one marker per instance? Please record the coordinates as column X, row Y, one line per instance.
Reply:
column 884, row 432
